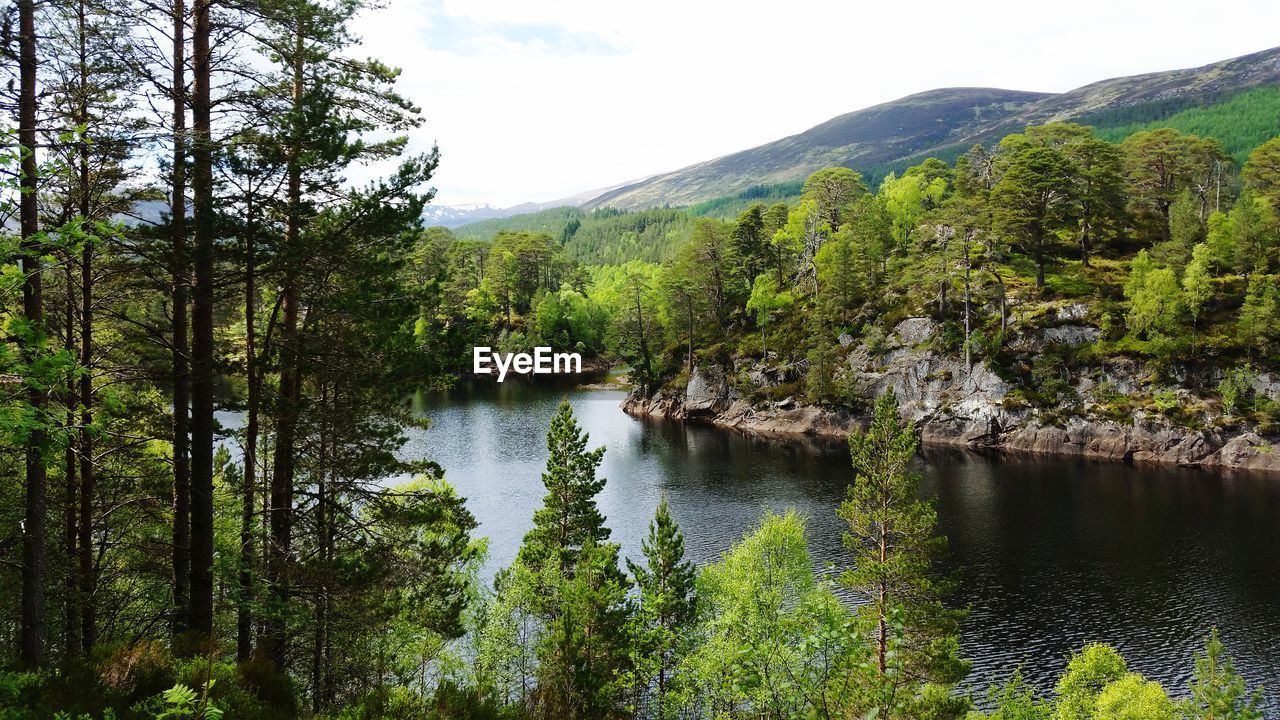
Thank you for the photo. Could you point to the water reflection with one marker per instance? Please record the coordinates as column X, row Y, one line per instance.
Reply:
column 1053, row 553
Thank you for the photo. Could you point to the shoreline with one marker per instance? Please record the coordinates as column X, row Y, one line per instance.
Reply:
column 1086, row 440
column 973, row 408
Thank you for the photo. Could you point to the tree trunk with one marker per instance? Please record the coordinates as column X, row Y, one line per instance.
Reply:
column 181, row 559
column 202, row 333
column 1086, row 240
column 968, row 302
column 244, row 619
column 71, row 487
column 287, row 408
column 322, row 600
column 646, row 360
column 691, row 337
column 882, row 599
column 36, row 483
column 88, row 614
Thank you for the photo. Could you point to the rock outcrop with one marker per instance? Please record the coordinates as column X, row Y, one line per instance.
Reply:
column 955, row 405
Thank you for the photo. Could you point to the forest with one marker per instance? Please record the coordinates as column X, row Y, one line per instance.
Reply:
column 211, row 334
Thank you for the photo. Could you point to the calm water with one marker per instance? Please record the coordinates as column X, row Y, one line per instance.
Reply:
column 1053, row 553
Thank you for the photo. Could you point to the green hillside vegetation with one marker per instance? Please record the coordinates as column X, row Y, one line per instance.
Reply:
column 729, row 206
column 1240, row 122
column 614, row 236
column 552, row 221
column 1170, row 246
column 156, row 564
column 935, row 123
column 605, row 236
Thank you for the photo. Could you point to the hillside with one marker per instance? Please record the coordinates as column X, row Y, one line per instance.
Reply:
column 874, row 135
column 602, row 236
column 940, row 122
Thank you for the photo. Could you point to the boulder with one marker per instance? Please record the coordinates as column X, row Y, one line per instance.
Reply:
column 1072, row 312
column 707, row 393
column 1071, row 335
column 915, row 330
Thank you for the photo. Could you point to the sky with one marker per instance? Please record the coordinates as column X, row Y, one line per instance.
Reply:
column 536, row 100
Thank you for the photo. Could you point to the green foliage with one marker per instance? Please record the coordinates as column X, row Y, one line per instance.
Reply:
column 729, row 205
column 1165, row 400
column 1262, row 171
column 568, row 520
column 1156, row 305
column 1185, row 229
column 1133, row 698
column 181, row 702
column 766, row 300
column 564, row 602
column 666, row 610
column 1088, row 673
column 893, row 545
column 774, row 641
column 1259, row 324
column 552, row 221
column 1197, row 281
column 1235, row 388
column 1218, row 692
column 1034, row 201
column 1241, row 122
column 1017, row 700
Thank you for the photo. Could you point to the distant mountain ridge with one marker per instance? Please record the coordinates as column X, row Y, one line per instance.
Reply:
column 936, row 122
column 452, row 216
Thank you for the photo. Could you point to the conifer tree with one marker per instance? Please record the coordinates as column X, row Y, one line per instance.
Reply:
column 580, row 594
column 568, row 519
column 1258, row 324
column 1218, row 692
column 891, row 536
column 583, row 656
column 667, row 603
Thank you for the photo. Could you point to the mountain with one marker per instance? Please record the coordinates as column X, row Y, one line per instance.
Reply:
column 453, row 216
column 943, row 122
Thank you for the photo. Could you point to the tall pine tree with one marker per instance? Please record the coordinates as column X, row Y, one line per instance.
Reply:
column 891, row 536
column 568, row 519
column 667, row 606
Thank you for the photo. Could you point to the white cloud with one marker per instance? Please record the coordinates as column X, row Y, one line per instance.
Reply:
column 538, row 99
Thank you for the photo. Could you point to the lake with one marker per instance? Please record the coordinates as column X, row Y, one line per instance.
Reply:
column 1051, row 553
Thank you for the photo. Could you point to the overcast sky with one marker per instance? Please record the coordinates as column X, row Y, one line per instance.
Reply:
column 534, row 100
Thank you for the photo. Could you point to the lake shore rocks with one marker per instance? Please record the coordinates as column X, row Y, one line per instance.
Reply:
column 974, row 408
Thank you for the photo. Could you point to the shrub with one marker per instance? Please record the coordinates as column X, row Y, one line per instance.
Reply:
column 1235, row 389
column 1165, row 400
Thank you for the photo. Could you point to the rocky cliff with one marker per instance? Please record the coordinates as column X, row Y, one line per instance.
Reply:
column 974, row 407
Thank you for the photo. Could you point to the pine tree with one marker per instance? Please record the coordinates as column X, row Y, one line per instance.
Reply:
column 568, row 519
column 1218, row 692
column 667, row 603
column 584, row 655
column 578, row 593
column 1034, row 202
column 891, row 536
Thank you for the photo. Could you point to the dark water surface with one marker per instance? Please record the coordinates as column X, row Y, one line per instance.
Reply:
column 1052, row 553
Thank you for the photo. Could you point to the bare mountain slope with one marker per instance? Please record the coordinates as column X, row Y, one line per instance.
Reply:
column 933, row 122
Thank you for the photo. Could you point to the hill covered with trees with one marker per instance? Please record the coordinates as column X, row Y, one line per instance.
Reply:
column 942, row 123
column 294, row 562
column 1044, row 291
